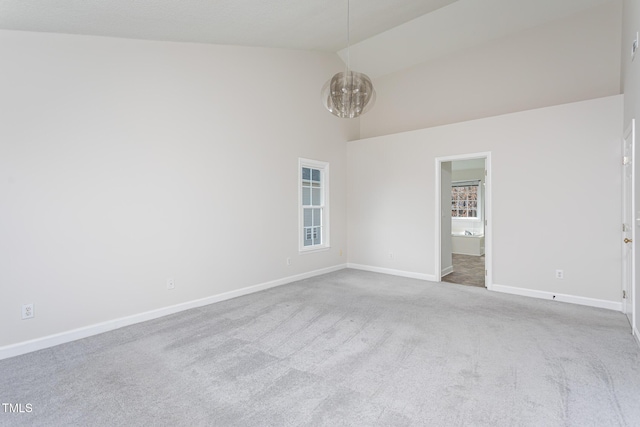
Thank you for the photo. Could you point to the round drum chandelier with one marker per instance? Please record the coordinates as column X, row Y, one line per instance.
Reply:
column 348, row 94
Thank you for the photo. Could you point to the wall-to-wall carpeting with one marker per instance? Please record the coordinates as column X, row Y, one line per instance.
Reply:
column 348, row 348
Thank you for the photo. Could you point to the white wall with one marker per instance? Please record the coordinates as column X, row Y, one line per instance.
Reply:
column 573, row 59
column 555, row 173
column 631, row 89
column 125, row 162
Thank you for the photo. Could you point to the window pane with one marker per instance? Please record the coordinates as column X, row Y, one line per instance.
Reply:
column 306, row 173
column 315, row 175
column 315, row 196
column 308, row 217
column 308, row 237
column 306, row 196
column 317, row 217
column 464, row 201
column 317, row 236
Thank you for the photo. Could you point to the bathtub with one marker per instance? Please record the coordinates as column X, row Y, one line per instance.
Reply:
column 467, row 245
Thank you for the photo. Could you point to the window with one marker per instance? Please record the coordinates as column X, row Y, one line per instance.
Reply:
column 314, row 204
column 465, row 199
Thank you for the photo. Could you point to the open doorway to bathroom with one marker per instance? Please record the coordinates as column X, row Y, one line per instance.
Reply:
column 463, row 219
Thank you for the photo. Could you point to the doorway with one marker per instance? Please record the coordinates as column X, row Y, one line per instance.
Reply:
column 463, row 206
column 628, row 228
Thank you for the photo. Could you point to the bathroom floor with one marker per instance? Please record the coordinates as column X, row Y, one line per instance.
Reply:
column 467, row 270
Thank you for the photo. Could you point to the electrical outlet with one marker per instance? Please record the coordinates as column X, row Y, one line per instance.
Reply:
column 340, row 252
column 288, row 261
column 559, row 274
column 171, row 284
column 27, row 311
column 392, row 255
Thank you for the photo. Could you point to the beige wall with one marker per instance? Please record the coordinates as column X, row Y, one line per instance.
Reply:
column 124, row 162
column 573, row 59
column 555, row 197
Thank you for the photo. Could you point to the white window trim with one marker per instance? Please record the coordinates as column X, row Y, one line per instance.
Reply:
column 324, row 170
column 479, row 207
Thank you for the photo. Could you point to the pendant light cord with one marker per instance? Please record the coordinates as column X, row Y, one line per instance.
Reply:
column 348, row 37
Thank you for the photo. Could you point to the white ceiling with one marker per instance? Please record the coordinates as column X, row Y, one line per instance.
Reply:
column 386, row 35
column 295, row 24
column 460, row 25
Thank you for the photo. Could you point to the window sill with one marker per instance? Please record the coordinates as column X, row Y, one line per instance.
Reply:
column 313, row 249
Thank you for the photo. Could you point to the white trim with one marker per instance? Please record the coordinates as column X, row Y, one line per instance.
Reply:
column 110, row 325
column 488, row 229
column 629, row 304
column 447, row 270
column 573, row 299
column 469, row 219
column 393, row 272
column 634, row 332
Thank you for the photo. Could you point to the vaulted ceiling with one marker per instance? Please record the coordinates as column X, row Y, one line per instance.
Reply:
column 386, row 35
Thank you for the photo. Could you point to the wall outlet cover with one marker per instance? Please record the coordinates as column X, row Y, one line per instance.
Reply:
column 27, row 311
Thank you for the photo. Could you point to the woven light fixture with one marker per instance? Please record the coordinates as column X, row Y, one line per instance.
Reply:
column 348, row 94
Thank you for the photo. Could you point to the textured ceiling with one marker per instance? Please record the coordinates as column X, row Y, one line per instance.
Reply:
column 386, row 35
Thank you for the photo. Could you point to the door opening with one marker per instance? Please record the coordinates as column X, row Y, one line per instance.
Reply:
column 463, row 206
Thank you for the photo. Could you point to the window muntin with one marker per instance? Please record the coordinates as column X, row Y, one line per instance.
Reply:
column 465, row 199
column 313, row 204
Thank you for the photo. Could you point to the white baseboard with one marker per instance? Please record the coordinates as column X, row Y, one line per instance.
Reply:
column 591, row 302
column 98, row 328
column 635, row 335
column 446, row 270
column 393, row 272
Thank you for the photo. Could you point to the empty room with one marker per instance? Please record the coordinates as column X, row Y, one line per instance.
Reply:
column 223, row 213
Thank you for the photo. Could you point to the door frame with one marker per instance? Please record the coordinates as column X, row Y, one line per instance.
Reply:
column 628, row 304
column 488, row 228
